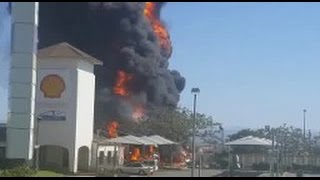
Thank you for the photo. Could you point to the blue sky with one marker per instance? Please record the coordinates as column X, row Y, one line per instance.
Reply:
column 256, row 63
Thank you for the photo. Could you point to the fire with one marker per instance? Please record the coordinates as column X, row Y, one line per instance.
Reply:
column 112, row 129
column 158, row 27
column 138, row 112
column 135, row 156
column 121, row 86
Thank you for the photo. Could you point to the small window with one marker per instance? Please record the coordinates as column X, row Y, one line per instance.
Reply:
column 101, row 157
column 2, row 153
column 109, row 157
column 65, row 158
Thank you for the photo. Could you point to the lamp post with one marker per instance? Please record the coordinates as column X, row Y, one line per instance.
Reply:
column 200, row 161
column 195, row 91
column 230, row 161
column 222, row 135
column 271, row 151
column 304, row 124
column 37, row 146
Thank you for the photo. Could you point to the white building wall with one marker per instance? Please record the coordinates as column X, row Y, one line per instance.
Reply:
column 22, row 80
column 59, row 133
column 94, row 155
column 77, row 102
column 85, row 105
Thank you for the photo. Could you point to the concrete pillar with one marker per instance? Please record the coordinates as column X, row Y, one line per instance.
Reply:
column 22, row 80
column 89, row 158
column 73, row 160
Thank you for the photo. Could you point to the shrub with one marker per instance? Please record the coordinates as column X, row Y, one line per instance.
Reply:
column 306, row 168
column 21, row 171
column 220, row 160
column 260, row 166
column 11, row 163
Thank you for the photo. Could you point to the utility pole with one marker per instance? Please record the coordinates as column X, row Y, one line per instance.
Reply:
column 222, row 135
column 304, row 124
column 272, row 155
column 37, row 146
column 229, row 150
column 193, row 136
column 200, row 161
column 199, row 170
column 195, row 91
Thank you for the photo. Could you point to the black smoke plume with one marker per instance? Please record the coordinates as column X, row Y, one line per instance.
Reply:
column 118, row 34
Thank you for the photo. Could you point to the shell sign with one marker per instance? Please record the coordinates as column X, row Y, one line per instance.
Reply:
column 52, row 86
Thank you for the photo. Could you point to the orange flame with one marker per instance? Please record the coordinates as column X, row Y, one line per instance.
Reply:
column 112, row 129
column 158, row 27
column 135, row 156
column 138, row 112
column 121, row 86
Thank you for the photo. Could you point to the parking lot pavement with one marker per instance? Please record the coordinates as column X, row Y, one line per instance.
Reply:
column 311, row 175
column 183, row 173
column 287, row 174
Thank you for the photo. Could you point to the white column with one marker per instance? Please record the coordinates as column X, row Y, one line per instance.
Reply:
column 22, row 80
column 73, row 160
column 90, row 157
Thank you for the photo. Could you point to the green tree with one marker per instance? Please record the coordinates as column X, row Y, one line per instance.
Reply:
column 167, row 122
column 177, row 125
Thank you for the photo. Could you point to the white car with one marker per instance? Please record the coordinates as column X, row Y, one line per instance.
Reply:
column 136, row 168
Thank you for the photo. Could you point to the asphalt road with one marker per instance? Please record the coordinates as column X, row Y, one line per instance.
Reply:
column 204, row 173
column 183, row 173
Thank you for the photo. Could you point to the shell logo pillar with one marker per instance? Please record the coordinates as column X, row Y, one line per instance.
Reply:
column 20, row 126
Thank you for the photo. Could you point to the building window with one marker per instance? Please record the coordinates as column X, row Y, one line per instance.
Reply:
column 109, row 157
column 2, row 153
column 65, row 158
column 101, row 157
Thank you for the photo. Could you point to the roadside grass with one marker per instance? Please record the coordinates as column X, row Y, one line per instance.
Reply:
column 48, row 174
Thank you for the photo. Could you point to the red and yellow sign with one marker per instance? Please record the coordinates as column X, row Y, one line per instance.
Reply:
column 52, row 86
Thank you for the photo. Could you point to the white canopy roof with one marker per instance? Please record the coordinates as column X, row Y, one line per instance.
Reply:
column 145, row 140
column 140, row 140
column 121, row 140
column 250, row 141
column 152, row 140
column 160, row 140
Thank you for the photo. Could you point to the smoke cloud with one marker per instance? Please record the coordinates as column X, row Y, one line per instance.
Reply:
column 118, row 34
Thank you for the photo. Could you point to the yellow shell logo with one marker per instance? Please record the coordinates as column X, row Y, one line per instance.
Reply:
column 52, row 86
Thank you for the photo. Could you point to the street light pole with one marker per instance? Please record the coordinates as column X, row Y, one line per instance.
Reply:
column 37, row 147
column 304, row 124
column 200, row 162
column 195, row 91
column 222, row 134
column 272, row 154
